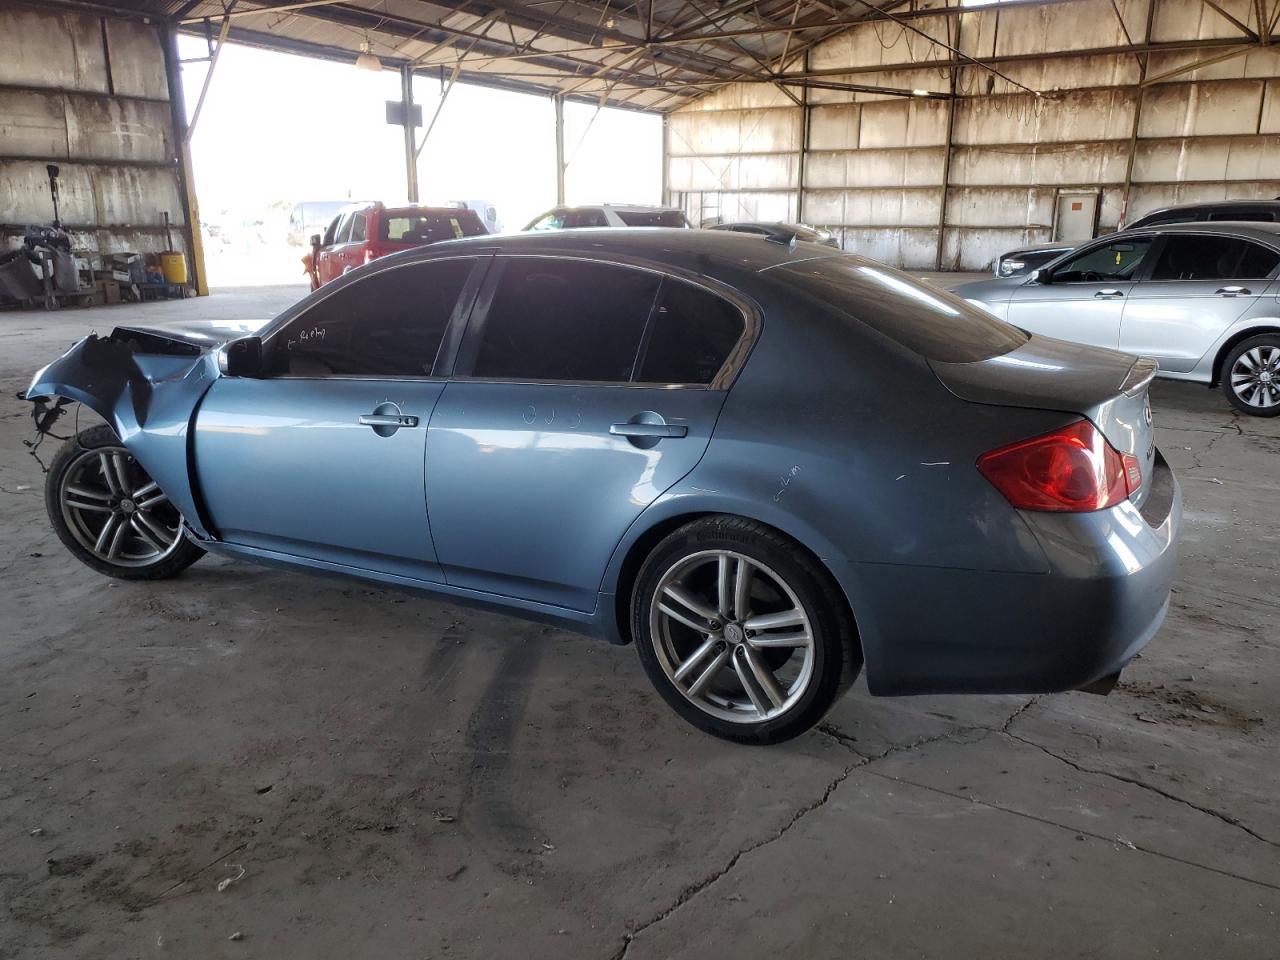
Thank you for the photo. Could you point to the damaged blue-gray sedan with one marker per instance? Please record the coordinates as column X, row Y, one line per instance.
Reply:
column 766, row 463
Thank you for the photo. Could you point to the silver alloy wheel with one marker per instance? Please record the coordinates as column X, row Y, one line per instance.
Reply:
column 1255, row 376
column 117, row 512
column 732, row 636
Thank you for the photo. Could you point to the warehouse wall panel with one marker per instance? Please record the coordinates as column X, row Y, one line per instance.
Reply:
column 90, row 94
column 922, row 182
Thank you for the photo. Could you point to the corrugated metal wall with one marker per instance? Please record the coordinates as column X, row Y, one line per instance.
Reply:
column 874, row 165
column 91, row 95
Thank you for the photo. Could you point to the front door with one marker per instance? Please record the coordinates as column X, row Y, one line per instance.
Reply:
column 324, row 456
column 1083, row 299
column 1199, row 285
column 583, row 391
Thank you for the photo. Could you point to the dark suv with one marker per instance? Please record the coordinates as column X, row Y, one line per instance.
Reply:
column 1025, row 259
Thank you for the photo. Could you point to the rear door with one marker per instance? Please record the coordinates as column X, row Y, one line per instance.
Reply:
column 582, row 391
column 323, row 457
column 1198, row 286
column 1083, row 298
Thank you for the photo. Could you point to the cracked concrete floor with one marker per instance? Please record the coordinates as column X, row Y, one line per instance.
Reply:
column 381, row 775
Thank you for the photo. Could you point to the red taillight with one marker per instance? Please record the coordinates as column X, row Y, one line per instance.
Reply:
column 1071, row 469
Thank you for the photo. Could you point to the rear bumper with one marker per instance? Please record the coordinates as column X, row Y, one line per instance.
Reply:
column 941, row 630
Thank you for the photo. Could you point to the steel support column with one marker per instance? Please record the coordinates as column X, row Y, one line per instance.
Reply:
column 182, row 144
column 410, row 147
column 945, row 193
column 1140, row 97
column 558, row 100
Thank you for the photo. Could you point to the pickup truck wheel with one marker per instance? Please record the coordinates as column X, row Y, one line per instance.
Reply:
column 1251, row 376
column 111, row 515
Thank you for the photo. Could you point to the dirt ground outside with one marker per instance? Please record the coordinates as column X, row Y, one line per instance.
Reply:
column 247, row 762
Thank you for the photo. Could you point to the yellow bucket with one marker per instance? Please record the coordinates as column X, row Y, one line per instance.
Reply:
column 174, row 267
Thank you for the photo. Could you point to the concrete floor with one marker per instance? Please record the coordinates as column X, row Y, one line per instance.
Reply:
column 245, row 762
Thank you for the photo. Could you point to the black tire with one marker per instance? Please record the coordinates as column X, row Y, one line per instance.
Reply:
column 74, row 456
column 1268, row 347
column 830, row 661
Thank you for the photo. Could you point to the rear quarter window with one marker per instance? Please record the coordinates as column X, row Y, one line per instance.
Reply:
column 928, row 321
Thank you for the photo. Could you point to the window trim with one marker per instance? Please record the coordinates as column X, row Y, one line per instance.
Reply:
column 481, row 260
column 468, row 349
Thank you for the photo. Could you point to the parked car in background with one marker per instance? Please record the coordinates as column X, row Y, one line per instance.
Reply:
column 799, row 231
column 608, row 215
column 1201, row 298
column 367, row 231
column 764, row 464
column 1025, row 259
column 310, row 216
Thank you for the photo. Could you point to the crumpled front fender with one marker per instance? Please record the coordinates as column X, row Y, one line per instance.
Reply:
column 148, row 390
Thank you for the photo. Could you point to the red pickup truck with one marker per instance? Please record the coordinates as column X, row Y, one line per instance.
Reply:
column 365, row 231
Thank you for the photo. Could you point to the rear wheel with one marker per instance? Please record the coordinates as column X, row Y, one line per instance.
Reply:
column 111, row 514
column 1251, row 376
column 742, row 631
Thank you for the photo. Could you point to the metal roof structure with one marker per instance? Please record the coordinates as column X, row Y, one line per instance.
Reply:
column 652, row 55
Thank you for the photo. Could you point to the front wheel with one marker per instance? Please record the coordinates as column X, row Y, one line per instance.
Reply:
column 741, row 631
column 110, row 514
column 1251, row 376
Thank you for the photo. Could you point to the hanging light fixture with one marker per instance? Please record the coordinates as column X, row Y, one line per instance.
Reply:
column 367, row 60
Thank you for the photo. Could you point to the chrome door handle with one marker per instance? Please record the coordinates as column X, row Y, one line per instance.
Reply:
column 1108, row 293
column 1233, row 291
column 387, row 420
column 649, row 430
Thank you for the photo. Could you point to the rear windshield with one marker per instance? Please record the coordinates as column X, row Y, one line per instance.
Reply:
column 653, row 218
column 430, row 226
column 923, row 318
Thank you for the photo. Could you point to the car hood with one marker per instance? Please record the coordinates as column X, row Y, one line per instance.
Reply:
column 994, row 290
column 1038, row 247
column 205, row 334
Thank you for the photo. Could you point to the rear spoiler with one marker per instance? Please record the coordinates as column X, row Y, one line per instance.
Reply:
column 1139, row 376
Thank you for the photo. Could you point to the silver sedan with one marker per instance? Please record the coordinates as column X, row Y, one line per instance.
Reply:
column 1203, row 299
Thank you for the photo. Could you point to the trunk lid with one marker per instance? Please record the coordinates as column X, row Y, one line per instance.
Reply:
column 1105, row 386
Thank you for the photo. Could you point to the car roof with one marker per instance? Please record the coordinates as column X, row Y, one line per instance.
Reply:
column 1212, row 205
column 719, row 254
column 1265, row 230
column 635, row 207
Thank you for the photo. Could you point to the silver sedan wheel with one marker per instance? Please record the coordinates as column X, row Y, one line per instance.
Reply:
column 1255, row 376
column 732, row 636
column 117, row 512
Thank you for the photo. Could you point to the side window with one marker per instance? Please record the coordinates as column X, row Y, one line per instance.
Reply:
column 1266, row 214
column 1118, row 260
column 551, row 221
column 1168, row 216
column 584, row 218
column 389, row 324
column 1257, row 263
column 344, row 229
column 330, row 232
column 1202, row 257
column 693, row 333
column 358, row 228
column 565, row 320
